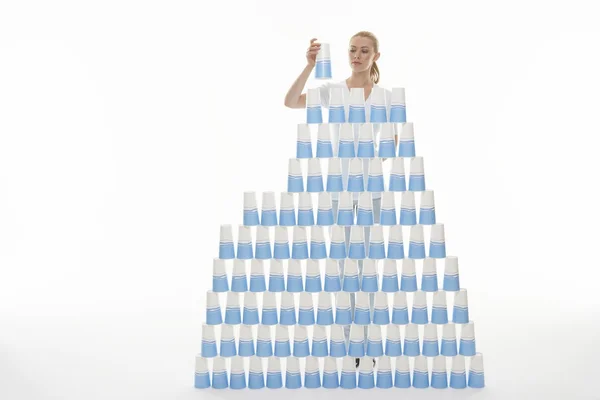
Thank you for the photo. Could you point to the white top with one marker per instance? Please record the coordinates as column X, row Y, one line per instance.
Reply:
column 324, row 94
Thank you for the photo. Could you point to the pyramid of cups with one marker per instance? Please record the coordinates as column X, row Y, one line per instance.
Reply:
column 343, row 280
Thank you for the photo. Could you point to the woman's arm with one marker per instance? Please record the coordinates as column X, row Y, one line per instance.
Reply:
column 294, row 97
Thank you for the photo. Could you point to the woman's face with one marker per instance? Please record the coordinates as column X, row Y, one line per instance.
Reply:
column 361, row 54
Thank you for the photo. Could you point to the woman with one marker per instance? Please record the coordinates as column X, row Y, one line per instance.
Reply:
column 363, row 52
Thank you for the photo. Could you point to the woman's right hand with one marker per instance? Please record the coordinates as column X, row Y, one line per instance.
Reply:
column 311, row 53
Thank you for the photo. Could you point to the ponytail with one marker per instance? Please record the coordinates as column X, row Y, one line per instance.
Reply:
column 375, row 73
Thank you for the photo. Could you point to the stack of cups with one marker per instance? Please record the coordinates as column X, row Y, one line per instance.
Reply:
column 324, row 146
column 323, row 64
column 276, row 283
column 397, row 176
column 416, row 179
column 269, row 210
column 287, row 209
column 378, row 105
column 357, row 106
column 337, row 112
column 303, row 142
column 398, row 106
column 250, row 209
column 314, row 114
column 226, row 247
column 387, row 144
column 406, row 147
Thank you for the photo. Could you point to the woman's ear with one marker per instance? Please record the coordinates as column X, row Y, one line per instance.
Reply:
column 376, row 57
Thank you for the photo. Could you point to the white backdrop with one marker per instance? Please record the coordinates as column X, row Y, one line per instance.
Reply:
column 130, row 130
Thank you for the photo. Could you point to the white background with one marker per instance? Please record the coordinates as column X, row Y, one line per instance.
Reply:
column 129, row 131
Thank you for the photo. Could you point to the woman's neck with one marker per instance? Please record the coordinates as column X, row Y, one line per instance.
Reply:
column 360, row 79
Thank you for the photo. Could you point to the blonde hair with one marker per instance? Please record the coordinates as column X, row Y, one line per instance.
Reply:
column 374, row 68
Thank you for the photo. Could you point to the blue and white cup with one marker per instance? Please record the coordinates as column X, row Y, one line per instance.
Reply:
column 264, row 343
column 334, row 175
column 226, row 246
column 439, row 374
column 295, row 176
column 250, row 209
column 467, row 340
column 374, row 341
column 237, row 379
column 318, row 248
column 333, row 283
column 257, row 276
column 274, row 378
column 412, row 347
column 402, row 373
column 244, row 245
column 384, row 373
column 319, row 346
column 398, row 105
column 357, row 249
column 324, row 145
column 250, row 313
column 209, row 342
column 376, row 244
column 388, row 215
column 233, row 313
column 337, row 111
column 337, row 343
column 345, row 211
column 346, row 146
column 406, row 143
column 381, row 310
column 213, row 309
column 451, row 278
column 301, row 348
column 287, row 210
column 281, row 248
column 343, row 312
column 312, row 374
column 356, row 348
column 300, row 243
column 393, row 346
column 350, row 282
column 256, row 377
column 365, row 215
column 427, row 208
column 389, row 280
column 306, row 312
column 276, row 280
column 362, row 309
column 370, row 279
column 408, row 279
column 282, row 341
column 220, row 380
column 460, row 313
column 397, row 176
column 400, row 309
column 324, row 210
column 201, row 375
column 294, row 283
column 293, row 380
column 375, row 182
column 323, row 62
column 227, row 345
column 395, row 243
column 246, row 344
column 356, row 179
column 476, row 375
column 458, row 375
column 437, row 244
column 314, row 179
column 366, row 143
column 337, row 247
column 269, row 309
column 419, row 308
column 220, row 282
column 306, row 215
column 420, row 373
column 262, row 250
column 416, row 179
column 348, row 378
column 378, row 105
column 313, row 275
column 431, row 345
column 325, row 309
column 303, row 142
column 408, row 212
column 268, row 216
column 239, row 277
column 429, row 279
column 416, row 246
column 314, row 112
column 387, row 142
column 287, row 311
column 366, row 377
column 449, row 348
column 439, row 311
column 331, row 377
column 357, row 112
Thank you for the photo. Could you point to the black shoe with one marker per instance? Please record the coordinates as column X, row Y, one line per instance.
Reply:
column 357, row 361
